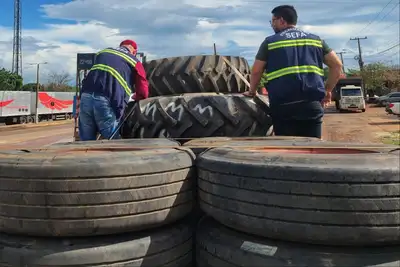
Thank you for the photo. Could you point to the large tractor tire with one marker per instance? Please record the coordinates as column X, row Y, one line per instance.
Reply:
column 221, row 246
column 94, row 190
column 313, row 193
column 196, row 74
column 198, row 115
column 169, row 246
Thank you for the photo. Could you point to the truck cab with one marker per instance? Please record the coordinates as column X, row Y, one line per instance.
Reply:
column 351, row 98
column 348, row 94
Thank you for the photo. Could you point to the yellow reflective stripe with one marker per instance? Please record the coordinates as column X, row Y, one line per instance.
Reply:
column 115, row 74
column 294, row 70
column 118, row 53
column 297, row 42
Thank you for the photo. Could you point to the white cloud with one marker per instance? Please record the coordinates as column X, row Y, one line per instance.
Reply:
column 184, row 27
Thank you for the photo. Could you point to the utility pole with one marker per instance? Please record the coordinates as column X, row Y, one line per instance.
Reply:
column 215, row 49
column 341, row 58
column 37, row 90
column 360, row 61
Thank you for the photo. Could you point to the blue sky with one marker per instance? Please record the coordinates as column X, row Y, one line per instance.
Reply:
column 55, row 30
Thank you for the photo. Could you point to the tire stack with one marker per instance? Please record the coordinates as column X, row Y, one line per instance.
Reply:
column 159, row 115
column 197, row 96
column 196, row 74
column 118, row 203
column 315, row 206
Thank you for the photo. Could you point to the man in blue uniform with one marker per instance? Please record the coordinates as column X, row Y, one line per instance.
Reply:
column 108, row 87
column 293, row 60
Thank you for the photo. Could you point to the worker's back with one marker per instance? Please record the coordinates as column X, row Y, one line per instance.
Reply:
column 294, row 67
column 112, row 76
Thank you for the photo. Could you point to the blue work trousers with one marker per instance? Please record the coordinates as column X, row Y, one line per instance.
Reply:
column 96, row 116
column 298, row 119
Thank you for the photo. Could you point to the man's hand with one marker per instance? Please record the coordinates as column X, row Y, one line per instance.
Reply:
column 327, row 100
column 250, row 93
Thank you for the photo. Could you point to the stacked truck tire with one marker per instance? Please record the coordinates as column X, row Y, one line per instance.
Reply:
column 226, row 195
column 197, row 96
column 264, row 201
column 317, row 206
column 97, row 204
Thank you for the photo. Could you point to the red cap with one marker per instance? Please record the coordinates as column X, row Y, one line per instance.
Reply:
column 129, row 42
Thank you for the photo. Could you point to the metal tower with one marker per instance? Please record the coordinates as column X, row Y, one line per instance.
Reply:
column 17, row 53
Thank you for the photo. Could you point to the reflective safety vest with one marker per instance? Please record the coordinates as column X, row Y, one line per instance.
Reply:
column 112, row 76
column 294, row 67
column 131, row 60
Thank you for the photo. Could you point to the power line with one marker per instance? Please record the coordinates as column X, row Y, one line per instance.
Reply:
column 384, row 51
column 387, row 14
column 369, row 23
column 380, row 12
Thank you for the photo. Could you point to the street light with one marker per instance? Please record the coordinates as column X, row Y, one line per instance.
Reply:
column 37, row 89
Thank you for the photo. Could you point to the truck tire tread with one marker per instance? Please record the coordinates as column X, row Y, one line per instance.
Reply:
column 199, row 115
column 195, row 74
column 218, row 245
column 84, row 191
column 318, row 198
column 166, row 246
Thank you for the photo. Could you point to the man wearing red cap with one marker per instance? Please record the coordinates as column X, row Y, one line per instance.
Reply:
column 116, row 74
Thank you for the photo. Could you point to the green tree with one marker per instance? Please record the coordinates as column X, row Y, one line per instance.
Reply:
column 32, row 87
column 10, row 81
column 374, row 77
column 352, row 72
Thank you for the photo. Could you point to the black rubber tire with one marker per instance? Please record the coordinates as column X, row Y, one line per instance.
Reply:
column 220, row 246
column 196, row 74
column 166, row 246
column 198, row 115
column 202, row 144
column 330, row 199
column 148, row 142
column 23, row 120
column 85, row 191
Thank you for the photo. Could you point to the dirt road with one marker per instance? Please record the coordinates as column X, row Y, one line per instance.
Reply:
column 367, row 127
column 31, row 136
column 371, row 126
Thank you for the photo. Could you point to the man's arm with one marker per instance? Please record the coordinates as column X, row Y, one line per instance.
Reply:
column 334, row 66
column 258, row 67
column 141, row 84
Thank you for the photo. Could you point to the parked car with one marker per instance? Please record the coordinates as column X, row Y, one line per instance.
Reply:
column 372, row 99
column 389, row 98
column 393, row 108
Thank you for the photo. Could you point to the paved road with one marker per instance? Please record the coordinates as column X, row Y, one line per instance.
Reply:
column 34, row 136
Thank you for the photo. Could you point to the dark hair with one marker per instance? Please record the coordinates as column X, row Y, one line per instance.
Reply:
column 288, row 13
